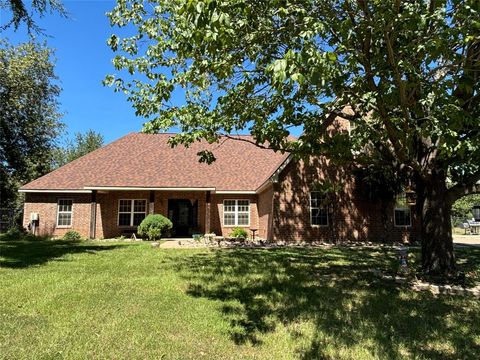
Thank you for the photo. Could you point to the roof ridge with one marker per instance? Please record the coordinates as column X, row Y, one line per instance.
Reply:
column 177, row 133
column 149, row 161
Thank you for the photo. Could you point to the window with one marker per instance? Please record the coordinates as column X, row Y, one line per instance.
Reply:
column 318, row 209
column 64, row 212
column 403, row 216
column 236, row 212
column 131, row 212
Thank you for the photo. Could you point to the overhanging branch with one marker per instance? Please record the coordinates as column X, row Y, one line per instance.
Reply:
column 470, row 185
column 329, row 120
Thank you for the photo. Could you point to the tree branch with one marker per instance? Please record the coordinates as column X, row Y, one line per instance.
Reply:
column 261, row 146
column 470, row 185
column 393, row 134
column 325, row 125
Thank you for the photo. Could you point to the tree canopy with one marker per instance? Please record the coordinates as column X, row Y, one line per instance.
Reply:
column 29, row 116
column 21, row 14
column 82, row 144
column 462, row 208
column 407, row 71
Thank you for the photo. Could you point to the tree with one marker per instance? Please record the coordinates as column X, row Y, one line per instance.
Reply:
column 82, row 145
column 21, row 15
column 29, row 117
column 408, row 72
column 462, row 208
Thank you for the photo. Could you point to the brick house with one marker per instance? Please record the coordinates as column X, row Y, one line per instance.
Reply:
column 108, row 192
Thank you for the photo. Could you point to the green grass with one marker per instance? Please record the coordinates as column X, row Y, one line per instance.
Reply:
column 128, row 300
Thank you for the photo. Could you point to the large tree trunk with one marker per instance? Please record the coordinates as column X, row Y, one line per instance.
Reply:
column 436, row 230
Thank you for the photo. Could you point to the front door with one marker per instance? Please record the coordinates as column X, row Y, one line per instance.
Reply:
column 183, row 215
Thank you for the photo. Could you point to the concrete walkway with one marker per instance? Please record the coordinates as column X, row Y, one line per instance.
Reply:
column 181, row 243
column 466, row 240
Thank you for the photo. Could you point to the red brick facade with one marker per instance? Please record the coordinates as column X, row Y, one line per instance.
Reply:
column 281, row 212
column 352, row 217
column 107, row 211
column 46, row 206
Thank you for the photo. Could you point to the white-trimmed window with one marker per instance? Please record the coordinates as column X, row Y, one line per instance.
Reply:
column 402, row 216
column 131, row 212
column 64, row 212
column 318, row 209
column 236, row 213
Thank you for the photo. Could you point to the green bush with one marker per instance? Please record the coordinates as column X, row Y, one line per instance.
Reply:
column 72, row 235
column 462, row 208
column 154, row 226
column 239, row 233
column 14, row 233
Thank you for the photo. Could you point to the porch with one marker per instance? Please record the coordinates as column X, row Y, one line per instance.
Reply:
column 112, row 212
column 189, row 210
column 192, row 211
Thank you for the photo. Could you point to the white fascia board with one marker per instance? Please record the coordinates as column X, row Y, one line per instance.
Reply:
column 282, row 166
column 274, row 177
column 241, row 192
column 133, row 188
column 55, row 191
column 264, row 186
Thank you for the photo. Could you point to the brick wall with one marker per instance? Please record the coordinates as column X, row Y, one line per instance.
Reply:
column 352, row 217
column 107, row 211
column 161, row 204
column 217, row 213
column 265, row 203
column 108, row 204
column 46, row 206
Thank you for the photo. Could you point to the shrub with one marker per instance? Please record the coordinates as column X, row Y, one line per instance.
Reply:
column 154, row 226
column 462, row 208
column 72, row 235
column 197, row 237
column 14, row 233
column 239, row 233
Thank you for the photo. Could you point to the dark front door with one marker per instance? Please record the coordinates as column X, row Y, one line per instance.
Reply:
column 183, row 215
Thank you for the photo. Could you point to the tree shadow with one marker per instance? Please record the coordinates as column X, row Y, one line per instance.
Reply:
column 336, row 291
column 26, row 253
column 352, row 215
column 468, row 262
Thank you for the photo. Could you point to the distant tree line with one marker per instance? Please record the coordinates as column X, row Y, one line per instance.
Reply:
column 29, row 115
column 81, row 145
column 30, row 119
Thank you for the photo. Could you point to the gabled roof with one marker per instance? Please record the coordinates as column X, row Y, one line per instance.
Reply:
column 140, row 160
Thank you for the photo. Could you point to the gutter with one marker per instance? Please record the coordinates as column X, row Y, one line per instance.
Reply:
column 274, row 177
column 135, row 188
column 55, row 191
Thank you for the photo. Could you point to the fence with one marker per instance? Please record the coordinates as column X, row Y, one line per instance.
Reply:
column 7, row 219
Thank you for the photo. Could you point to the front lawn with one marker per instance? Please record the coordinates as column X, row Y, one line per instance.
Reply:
column 128, row 300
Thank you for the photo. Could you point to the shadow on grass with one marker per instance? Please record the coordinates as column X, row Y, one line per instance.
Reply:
column 334, row 290
column 26, row 253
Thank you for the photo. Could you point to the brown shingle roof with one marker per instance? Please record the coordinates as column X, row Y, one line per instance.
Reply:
column 144, row 160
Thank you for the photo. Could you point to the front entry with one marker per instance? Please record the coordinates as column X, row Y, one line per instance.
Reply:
column 183, row 214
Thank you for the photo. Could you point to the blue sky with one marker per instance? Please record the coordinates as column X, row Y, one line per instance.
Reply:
column 83, row 60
